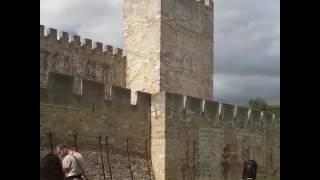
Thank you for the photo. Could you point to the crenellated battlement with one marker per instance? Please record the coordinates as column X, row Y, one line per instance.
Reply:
column 225, row 114
column 62, row 90
column 215, row 128
column 69, row 54
column 98, row 96
column 74, row 41
column 89, row 88
column 205, row 3
column 93, row 94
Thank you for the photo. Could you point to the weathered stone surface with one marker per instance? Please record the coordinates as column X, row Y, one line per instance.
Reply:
column 161, row 99
column 172, row 42
column 198, row 147
column 64, row 122
column 183, row 143
column 142, row 19
column 68, row 56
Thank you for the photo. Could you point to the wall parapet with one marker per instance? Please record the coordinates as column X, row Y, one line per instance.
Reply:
column 87, row 45
column 205, row 3
column 61, row 91
column 70, row 54
column 93, row 95
column 225, row 114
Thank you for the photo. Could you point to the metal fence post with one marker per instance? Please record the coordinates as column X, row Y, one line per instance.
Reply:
column 107, row 148
column 100, row 148
column 129, row 159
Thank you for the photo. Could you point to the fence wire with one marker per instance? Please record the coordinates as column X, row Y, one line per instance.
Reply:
column 106, row 158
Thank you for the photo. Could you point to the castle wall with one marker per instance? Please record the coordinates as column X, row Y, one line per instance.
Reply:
column 82, row 59
column 169, row 46
column 64, row 112
column 188, row 137
column 184, row 137
column 207, row 140
column 169, row 50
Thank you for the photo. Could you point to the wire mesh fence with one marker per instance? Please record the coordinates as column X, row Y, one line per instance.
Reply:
column 106, row 158
column 111, row 158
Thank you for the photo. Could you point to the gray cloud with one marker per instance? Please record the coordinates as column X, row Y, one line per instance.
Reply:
column 237, row 89
column 247, row 50
column 99, row 20
column 247, row 40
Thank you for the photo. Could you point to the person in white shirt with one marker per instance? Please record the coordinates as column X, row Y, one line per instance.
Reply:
column 72, row 162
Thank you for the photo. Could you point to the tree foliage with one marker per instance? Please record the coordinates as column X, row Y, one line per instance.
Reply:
column 260, row 104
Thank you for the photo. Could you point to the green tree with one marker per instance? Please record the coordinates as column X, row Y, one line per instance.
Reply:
column 260, row 104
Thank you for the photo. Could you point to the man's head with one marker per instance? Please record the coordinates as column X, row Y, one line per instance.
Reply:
column 62, row 150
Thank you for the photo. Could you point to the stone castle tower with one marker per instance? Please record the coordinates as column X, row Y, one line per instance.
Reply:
column 151, row 101
column 169, row 46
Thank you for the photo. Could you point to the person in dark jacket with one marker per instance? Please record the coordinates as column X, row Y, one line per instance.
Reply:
column 51, row 167
column 250, row 170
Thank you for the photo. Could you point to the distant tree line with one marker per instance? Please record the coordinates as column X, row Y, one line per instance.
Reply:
column 260, row 104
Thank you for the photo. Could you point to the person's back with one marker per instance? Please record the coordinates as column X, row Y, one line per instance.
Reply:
column 249, row 170
column 51, row 168
column 74, row 163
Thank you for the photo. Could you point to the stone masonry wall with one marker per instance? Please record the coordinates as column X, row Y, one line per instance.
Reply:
column 68, row 55
column 82, row 92
column 168, row 117
column 169, row 46
column 88, row 128
column 207, row 140
column 141, row 35
column 187, row 47
column 65, row 113
column 188, row 138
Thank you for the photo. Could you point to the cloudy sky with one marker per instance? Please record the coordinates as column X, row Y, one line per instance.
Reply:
column 247, row 41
